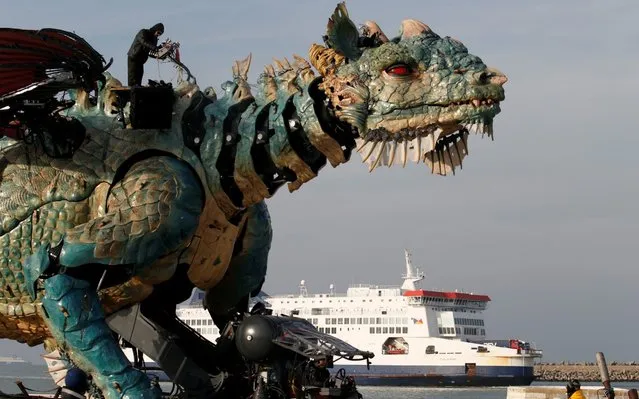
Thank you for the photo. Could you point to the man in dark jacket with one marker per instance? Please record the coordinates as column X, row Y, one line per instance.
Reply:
column 143, row 46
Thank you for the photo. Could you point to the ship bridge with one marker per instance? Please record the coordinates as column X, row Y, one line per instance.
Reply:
column 447, row 299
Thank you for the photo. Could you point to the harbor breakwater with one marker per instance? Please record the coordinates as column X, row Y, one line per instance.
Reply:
column 585, row 371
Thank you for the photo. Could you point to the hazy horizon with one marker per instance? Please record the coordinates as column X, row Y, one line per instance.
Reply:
column 542, row 220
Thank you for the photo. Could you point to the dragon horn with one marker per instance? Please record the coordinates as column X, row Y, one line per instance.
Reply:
column 300, row 63
column 412, row 27
column 372, row 29
column 241, row 67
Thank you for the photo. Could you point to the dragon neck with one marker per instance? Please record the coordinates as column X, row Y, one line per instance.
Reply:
column 284, row 135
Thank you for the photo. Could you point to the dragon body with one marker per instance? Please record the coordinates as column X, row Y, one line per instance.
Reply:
column 127, row 213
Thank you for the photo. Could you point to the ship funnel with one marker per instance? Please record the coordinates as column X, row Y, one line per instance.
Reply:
column 412, row 275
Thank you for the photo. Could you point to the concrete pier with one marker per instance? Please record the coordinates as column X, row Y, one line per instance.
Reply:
column 559, row 392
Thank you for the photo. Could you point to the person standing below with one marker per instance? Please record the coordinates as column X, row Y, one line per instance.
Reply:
column 573, row 390
column 144, row 45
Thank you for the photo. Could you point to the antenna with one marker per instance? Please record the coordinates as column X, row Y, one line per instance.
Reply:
column 303, row 290
column 412, row 275
column 331, row 289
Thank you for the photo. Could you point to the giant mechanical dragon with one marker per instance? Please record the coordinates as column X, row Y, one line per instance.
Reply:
column 98, row 216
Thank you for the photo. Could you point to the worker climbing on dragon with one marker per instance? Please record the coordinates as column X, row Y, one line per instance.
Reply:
column 97, row 216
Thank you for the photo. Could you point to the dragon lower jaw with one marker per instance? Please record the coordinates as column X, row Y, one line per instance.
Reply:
column 442, row 151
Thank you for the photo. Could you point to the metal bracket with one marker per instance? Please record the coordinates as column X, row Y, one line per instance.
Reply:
column 156, row 343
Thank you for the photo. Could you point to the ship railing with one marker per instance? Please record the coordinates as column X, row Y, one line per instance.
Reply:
column 373, row 286
column 533, row 352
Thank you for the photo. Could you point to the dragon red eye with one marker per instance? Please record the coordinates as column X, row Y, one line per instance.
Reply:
column 399, row 70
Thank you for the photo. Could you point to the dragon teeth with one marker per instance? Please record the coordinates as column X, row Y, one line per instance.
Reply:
column 442, row 162
column 378, row 157
column 391, row 153
column 369, row 148
column 445, row 162
column 416, row 152
column 404, row 153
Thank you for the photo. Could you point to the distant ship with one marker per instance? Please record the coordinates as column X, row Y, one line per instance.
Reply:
column 419, row 337
column 11, row 359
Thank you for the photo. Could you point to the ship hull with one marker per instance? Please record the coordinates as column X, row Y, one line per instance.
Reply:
column 424, row 376
column 448, row 376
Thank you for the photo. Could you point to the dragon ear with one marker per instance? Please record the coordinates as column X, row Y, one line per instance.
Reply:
column 341, row 33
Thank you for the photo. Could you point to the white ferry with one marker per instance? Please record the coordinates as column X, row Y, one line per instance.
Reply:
column 419, row 337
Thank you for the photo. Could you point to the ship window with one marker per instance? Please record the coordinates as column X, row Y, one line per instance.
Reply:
column 359, row 320
column 340, row 320
column 199, row 322
column 328, row 321
column 404, row 330
column 372, row 319
column 385, row 330
column 346, row 320
column 391, row 330
column 210, row 322
column 352, row 320
column 395, row 346
column 430, row 349
column 365, row 320
column 378, row 330
column 372, row 330
column 333, row 320
column 378, row 320
column 441, row 330
column 333, row 330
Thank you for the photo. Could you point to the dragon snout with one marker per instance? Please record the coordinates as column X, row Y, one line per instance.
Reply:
column 495, row 76
column 486, row 77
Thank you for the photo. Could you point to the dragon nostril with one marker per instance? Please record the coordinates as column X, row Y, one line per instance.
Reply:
column 482, row 78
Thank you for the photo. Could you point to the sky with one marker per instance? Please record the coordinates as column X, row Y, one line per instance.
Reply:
column 543, row 219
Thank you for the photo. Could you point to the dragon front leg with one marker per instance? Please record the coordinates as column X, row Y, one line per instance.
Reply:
column 150, row 214
column 247, row 270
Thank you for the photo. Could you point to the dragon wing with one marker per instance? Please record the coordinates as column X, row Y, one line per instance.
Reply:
column 38, row 64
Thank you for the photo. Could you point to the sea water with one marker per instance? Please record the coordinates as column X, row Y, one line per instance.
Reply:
column 36, row 378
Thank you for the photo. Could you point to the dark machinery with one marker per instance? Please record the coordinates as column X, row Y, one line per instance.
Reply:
column 256, row 354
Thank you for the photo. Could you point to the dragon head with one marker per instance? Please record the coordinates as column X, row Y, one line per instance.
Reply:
column 414, row 97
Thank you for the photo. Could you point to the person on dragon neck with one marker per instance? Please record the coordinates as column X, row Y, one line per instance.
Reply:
column 144, row 45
